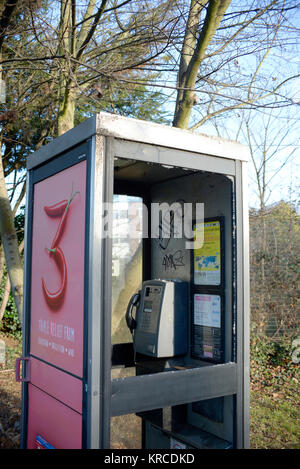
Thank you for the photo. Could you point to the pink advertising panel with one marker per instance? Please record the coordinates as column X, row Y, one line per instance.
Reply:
column 48, row 419
column 57, row 276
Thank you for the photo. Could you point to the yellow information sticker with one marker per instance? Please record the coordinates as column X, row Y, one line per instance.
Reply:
column 207, row 259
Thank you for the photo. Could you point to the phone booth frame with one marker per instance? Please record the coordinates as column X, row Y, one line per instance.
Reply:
column 98, row 141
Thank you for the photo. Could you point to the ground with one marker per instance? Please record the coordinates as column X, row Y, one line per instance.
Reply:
column 274, row 404
column 10, row 396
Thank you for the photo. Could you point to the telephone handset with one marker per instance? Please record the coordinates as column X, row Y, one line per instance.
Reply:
column 130, row 321
column 160, row 325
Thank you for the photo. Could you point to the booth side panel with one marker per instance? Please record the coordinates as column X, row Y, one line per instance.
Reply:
column 99, row 297
column 243, row 406
column 246, row 289
column 53, row 408
column 26, row 303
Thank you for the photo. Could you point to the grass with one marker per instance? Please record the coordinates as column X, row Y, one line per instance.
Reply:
column 275, row 405
column 274, row 423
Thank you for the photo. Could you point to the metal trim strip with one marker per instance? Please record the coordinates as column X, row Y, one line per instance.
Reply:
column 158, row 390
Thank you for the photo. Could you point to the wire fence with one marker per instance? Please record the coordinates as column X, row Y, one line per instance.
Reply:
column 275, row 271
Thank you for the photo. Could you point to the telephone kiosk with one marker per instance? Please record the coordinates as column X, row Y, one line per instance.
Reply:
column 123, row 317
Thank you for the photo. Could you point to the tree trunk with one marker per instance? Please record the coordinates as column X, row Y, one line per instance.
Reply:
column 2, row 263
column 10, row 246
column 6, row 290
column 188, row 47
column 189, row 71
column 5, row 297
column 67, row 111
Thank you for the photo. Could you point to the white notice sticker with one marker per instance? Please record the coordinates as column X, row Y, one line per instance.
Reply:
column 207, row 310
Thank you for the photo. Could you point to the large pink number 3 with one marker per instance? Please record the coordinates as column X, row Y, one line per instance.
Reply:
column 59, row 210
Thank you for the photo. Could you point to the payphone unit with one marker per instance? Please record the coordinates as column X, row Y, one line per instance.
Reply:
column 160, row 326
